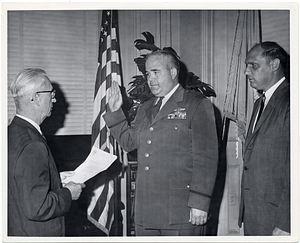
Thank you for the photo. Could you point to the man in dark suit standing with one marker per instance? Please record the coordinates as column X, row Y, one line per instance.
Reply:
column 37, row 201
column 265, row 202
column 177, row 151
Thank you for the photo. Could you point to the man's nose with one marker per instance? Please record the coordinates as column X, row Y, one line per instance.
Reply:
column 246, row 71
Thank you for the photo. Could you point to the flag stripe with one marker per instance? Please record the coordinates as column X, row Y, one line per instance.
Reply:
column 94, row 200
column 104, row 218
column 95, row 129
column 110, row 213
column 101, row 208
column 101, row 203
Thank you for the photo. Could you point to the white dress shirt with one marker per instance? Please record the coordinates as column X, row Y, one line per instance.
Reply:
column 167, row 97
column 31, row 122
column 268, row 94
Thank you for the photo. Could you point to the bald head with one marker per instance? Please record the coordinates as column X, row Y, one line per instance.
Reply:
column 265, row 65
column 271, row 50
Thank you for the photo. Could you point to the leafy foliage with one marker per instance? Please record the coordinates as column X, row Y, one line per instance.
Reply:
column 139, row 92
column 140, row 89
column 194, row 82
column 148, row 44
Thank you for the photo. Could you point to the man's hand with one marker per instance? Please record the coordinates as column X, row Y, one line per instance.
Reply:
column 198, row 216
column 114, row 95
column 75, row 189
column 65, row 174
column 279, row 232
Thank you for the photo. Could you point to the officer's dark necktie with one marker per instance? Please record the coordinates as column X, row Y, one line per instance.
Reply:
column 156, row 107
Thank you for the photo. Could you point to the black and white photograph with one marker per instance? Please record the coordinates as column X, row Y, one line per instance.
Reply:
column 150, row 121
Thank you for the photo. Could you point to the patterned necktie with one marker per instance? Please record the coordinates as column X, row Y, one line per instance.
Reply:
column 156, row 107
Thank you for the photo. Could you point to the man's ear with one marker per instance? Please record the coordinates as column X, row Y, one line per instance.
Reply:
column 35, row 99
column 173, row 72
column 275, row 64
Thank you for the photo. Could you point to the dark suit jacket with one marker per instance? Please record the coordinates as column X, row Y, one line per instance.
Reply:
column 266, row 176
column 36, row 199
column 177, row 158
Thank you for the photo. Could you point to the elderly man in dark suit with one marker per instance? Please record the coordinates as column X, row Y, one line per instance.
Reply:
column 37, row 201
column 265, row 203
column 177, row 151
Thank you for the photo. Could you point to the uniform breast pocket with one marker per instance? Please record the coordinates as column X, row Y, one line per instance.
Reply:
column 176, row 135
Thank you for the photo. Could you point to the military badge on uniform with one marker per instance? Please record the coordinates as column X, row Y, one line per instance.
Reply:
column 179, row 113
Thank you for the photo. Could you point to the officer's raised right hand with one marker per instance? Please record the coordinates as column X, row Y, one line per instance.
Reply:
column 115, row 100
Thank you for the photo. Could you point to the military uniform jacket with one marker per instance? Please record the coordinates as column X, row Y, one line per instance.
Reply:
column 177, row 158
column 36, row 199
column 266, row 176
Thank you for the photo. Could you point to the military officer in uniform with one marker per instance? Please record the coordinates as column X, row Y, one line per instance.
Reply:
column 177, row 151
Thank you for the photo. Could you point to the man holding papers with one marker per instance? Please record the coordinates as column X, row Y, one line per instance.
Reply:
column 97, row 161
column 37, row 201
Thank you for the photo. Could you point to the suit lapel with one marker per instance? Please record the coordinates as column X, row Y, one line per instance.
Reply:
column 270, row 106
column 266, row 113
column 21, row 122
column 148, row 109
column 250, row 128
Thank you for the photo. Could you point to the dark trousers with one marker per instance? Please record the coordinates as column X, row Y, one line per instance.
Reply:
column 195, row 231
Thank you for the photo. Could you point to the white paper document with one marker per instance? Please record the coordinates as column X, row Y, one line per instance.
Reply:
column 96, row 162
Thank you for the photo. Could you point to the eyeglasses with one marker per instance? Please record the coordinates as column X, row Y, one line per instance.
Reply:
column 52, row 92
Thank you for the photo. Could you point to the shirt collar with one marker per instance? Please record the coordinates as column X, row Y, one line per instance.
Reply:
column 31, row 122
column 171, row 92
column 271, row 90
column 167, row 97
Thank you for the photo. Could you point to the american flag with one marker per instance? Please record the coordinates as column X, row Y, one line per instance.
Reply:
column 101, row 209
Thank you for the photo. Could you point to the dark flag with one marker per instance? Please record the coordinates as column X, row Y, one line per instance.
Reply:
column 240, row 96
column 101, row 209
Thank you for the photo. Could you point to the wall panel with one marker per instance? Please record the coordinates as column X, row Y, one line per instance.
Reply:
column 276, row 27
column 65, row 45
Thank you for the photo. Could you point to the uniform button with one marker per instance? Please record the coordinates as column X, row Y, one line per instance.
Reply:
column 176, row 127
column 149, row 141
column 246, row 167
column 151, row 129
column 147, row 155
column 147, row 168
column 188, row 186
